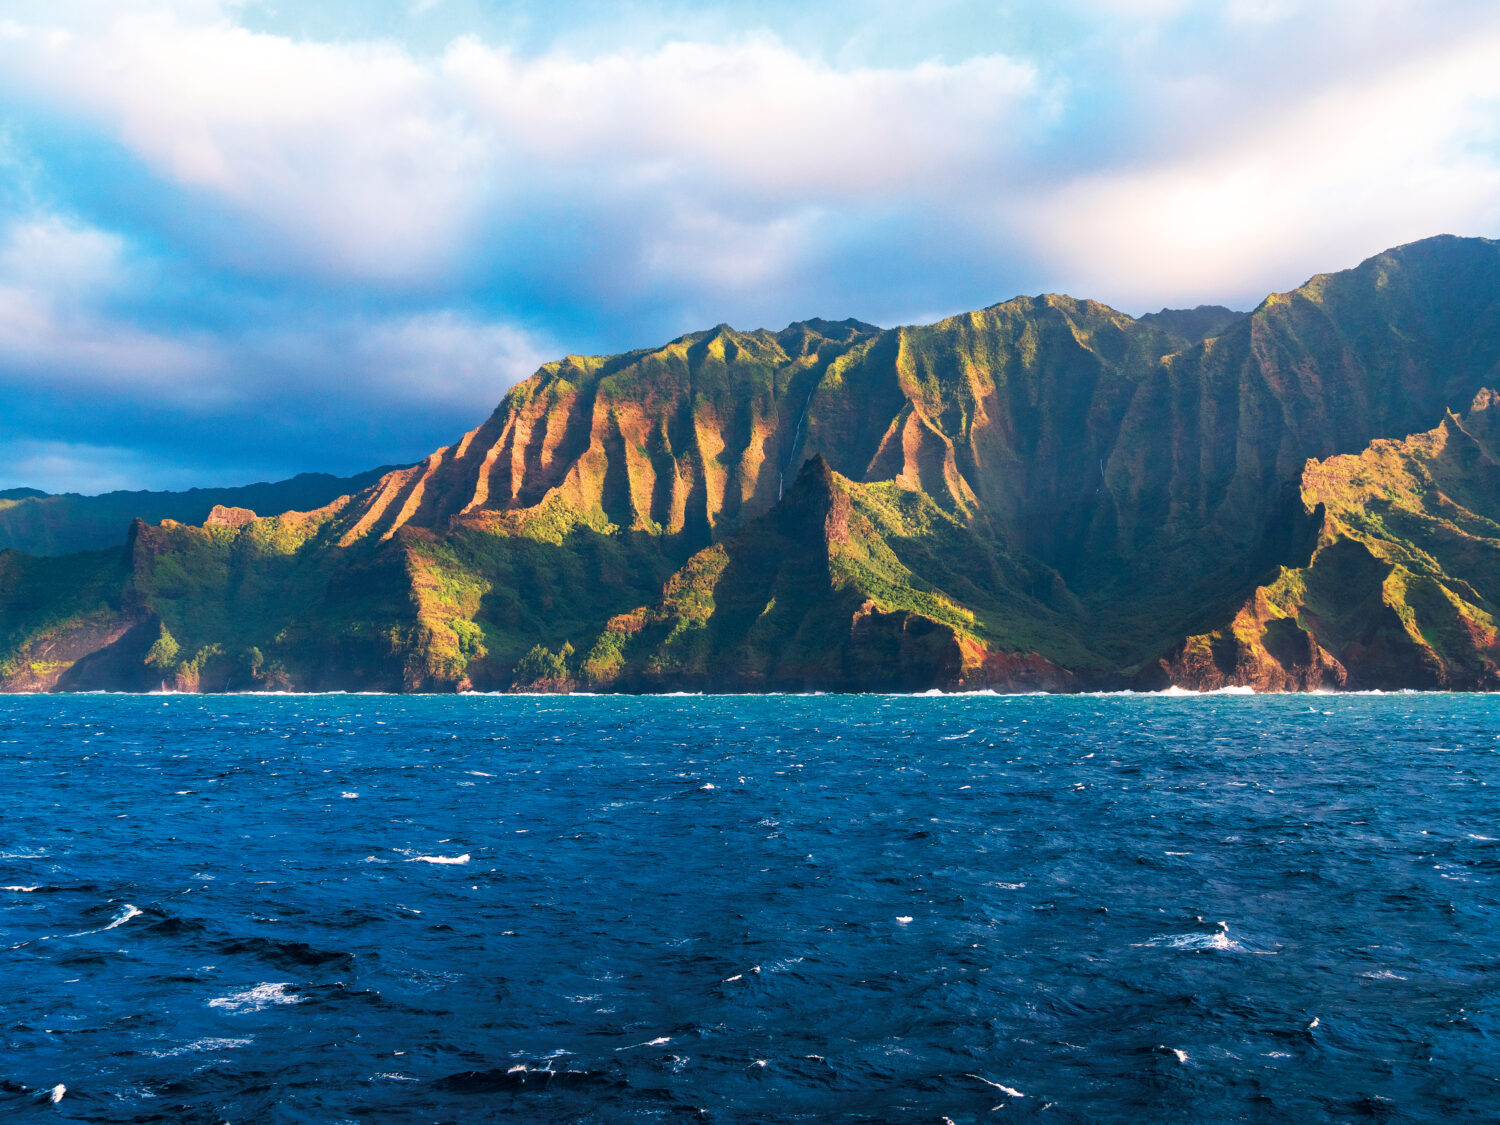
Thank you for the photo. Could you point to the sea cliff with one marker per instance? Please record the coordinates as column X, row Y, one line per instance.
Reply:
column 1046, row 494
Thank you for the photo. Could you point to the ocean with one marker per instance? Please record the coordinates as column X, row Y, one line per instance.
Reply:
column 750, row 909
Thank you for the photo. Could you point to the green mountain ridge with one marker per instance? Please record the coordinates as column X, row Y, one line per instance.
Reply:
column 1044, row 494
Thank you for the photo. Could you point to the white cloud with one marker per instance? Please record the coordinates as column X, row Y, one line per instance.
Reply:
column 347, row 156
column 751, row 116
column 1261, row 11
column 362, row 160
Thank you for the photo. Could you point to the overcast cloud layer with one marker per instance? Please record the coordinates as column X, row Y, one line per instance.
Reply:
column 237, row 243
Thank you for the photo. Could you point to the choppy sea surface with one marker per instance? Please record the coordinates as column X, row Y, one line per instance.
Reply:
column 742, row 909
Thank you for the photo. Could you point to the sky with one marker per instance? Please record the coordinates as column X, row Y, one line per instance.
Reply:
column 241, row 239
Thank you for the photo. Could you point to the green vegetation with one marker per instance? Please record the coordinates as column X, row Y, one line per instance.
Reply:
column 163, row 654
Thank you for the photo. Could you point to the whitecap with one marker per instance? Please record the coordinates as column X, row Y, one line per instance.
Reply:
column 903, row 920
column 1011, row 1090
column 124, row 916
column 1218, row 940
column 450, row 859
column 348, row 796
column 57, row 1093
column 660, row 1041
column 21, row 890
column 1176, row 692
column 212, row 1043
column 257, row 998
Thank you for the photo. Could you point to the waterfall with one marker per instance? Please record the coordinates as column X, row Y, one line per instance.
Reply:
column 796, row 437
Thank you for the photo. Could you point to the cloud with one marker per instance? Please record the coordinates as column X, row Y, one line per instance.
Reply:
column 438, row 362
column 1261, row 11
column 85, row 384
column 1138, row 9
column 697, row 170
column 50, row 253
column 753, row 115
column 361, row 160
column 55, row 279
column 1341, row 175
column 344, row 159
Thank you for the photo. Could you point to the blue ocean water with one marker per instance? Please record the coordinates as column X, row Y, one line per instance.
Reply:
column 861, row 909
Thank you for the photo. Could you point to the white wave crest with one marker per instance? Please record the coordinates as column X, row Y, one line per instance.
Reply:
column 213, row 1043
column 124, row 916
column 1011, row 1090
column 257, row 998
column 1218, row 940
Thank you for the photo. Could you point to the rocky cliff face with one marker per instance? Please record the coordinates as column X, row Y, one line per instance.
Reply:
column 1046, row 493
